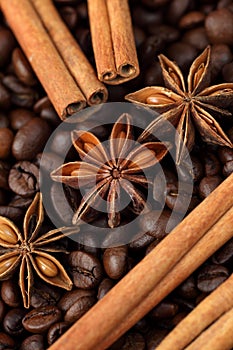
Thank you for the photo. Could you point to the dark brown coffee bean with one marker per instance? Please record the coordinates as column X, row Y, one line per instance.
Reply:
column 228, row 168
column 6, row 342
column 165, row 309
column 14, row 214
column 70, row 16
column 176, row 10
column 61, row 206
column 5, row 97
column 4, row 173
column 210, row 277
column 41, row 319
column 86, row 269
column 43, row 294
column 145, row 18
column 220, row 56
column 191, row 19
column 8, row 42
column 2, row 311
column 12, row 322
column 20, row 202
column 10, row 293
column 227, row 72
column 198, row 170
column 34, row 342
column 20, row 117
column 178, row 200
column 196, row 37
column 130, row 341
column 24, row 179
column 208, row 184
column 225, row 254
column 22, row 67
column 219, row 26
column 30, row 139
column 21, row 94
column 76, row 303
column 155, row 224
column 147, row 51
column 182, row 53
column 188, row 288
column 4, row 121
column 104, row 287
column 225, row 154
column 6, row 140
column 140, row 241
column 115, row 261
column 44, row 108
column 55, row 331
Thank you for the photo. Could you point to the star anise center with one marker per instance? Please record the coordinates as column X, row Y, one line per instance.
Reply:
column 116, row 174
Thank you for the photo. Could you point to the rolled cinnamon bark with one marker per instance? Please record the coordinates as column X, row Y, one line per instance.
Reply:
column 75, row 60
column 49, row 67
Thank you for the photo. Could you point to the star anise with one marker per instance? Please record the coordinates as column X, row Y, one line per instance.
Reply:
column 30, row 250
column 104, row 172
column 194, row 107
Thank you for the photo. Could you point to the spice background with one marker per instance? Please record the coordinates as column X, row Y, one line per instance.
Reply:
column 181, row 30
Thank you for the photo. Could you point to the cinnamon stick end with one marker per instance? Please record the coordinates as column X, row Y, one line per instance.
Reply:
column 98, row 96
column 72, row 108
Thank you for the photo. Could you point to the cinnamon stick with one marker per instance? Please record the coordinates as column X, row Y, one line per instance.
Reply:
column 113, row 40
column 134, row 288
column 211, row 308
column 75, row 60
column 43, row 57
column 218, row 336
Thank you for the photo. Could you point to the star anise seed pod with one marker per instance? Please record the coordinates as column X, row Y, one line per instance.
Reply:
column 105, row 173
column 194, row 107
column 31, row 251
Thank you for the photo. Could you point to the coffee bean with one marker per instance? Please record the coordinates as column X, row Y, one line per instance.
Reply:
column 5, row 97
column 70, row 16
column 225, row 254
column 210, row 277
column 61, row 207
column 4, row 173
column 76, row 303
column 7, row 41
column 115, row 261
column 34, row 342
column 145, row 18
column 220, row 56
column 55, row 331
column 140, row 241
column 155, row 224
column 24, row 179
column 22, row 67
column 104, row 287
column 41, row 319
column 227, row 72
column 198, row 170
column 14, row 214
column 12, row 322
column 43, row 294
column 6, row 342
column 30, row 139
column 4, row 121
column 164, row 309
column 188, row 288
column 196, row 37
column 10, row 293
column 20, row 202
column 20, row 117
column 182, row 53
column 225, row 154
column 176, row 10
column 86, row 269
column 2, row 310
column 6, row 140
column 21, row 94
column 130, row 341
column 228, row 168
column 191, row 19
column 219, row 26
column 208, row 184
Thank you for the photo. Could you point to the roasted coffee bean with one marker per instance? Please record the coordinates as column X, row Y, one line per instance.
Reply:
column 4, row 173
column 30, row 139
column 182, row 53
column 152, row 45
column 220, row 56
column 6, row 140
column 145, row 18
column 10, row 293
column 188, row 288
column 104, row 287
column 5, row 97
column 22, row 67
column 20, row 117
column 55, row 331
column 43, row 294
column 140, row 241
column 70, row 16
column 76, row 303
column 2, row 310
column 62, row 209
column 4, row 121
column 24, row 179
column 176, row 10
column 61, row 143
column 45, row 109
column 198, row 170
column 86, row 269
column 34, row 342
column 219, row 26
column 21, row 94
column 6, row 342
column 225, row 154
column 7, row 41
column 228, row 168
column 210, row 277
column 227, row 72
column 20, row 202
column 115, row 261
column 208, row 184
column 130, row 341
column 196, row 37
column 14, row 214
column 41, row 319
column 165, row 309
column 191, row 19
column 225, row 254
column 12, row 322
column 212, row 165
column 180, row 199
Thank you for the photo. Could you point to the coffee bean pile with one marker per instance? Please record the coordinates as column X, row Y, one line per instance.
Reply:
column 180, row 30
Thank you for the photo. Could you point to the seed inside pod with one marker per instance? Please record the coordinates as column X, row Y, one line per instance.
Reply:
column 46, row 266
column 7, row 263
column 7, row 234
